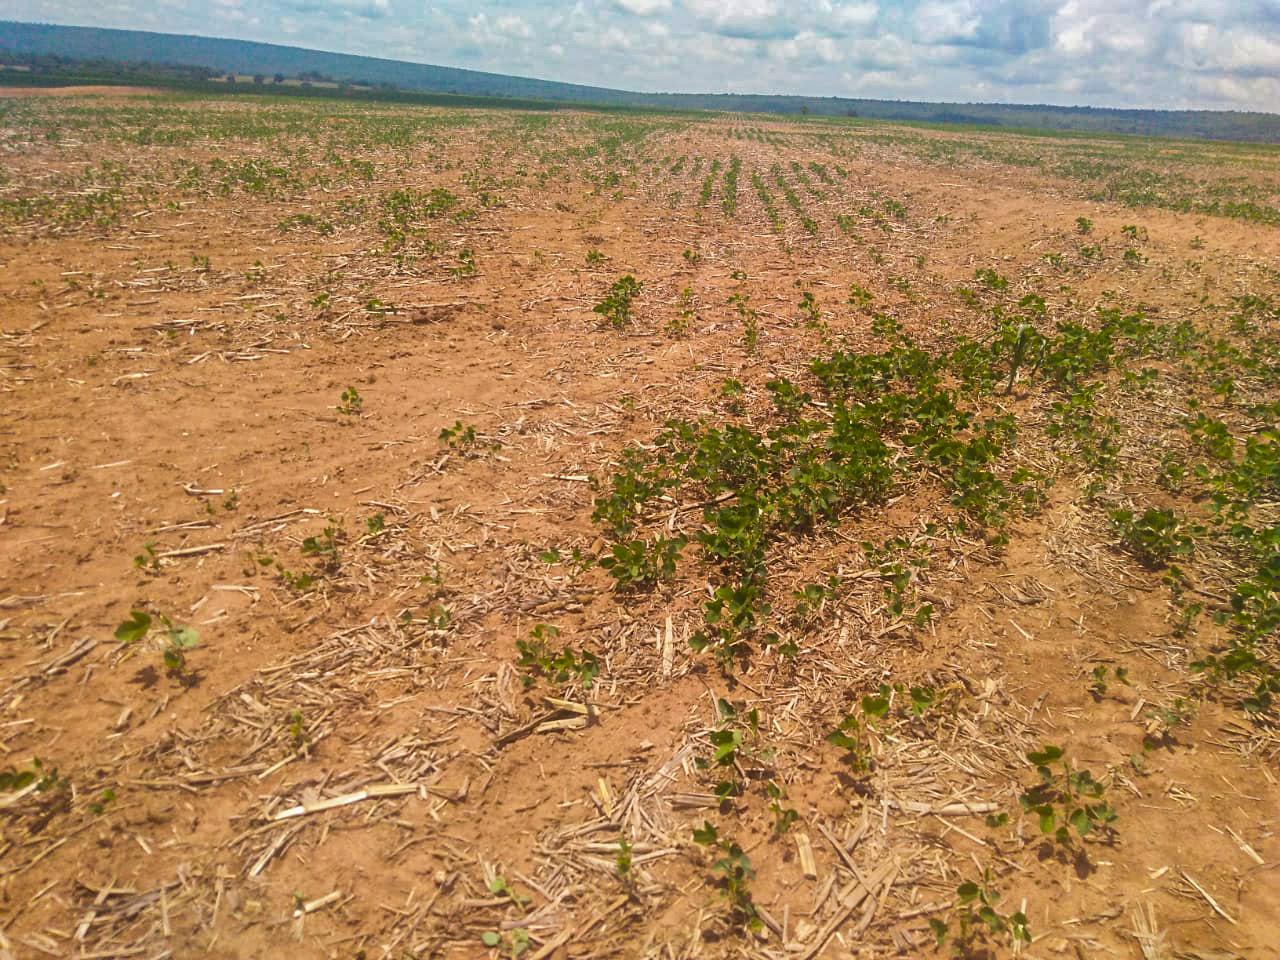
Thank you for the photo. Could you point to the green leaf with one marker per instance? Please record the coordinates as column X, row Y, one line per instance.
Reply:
column 1103, row 813
column 726, row 743
column 490, row 939
column 875, row 706
column 992, row 919
column 135, row 628
column 183, row 638
column 1080, row 820
column 939, row 931
column 16, row 779
column 921, row 699
column 967, row 892
column 705, row 835
column 1047, row 819
column 1046, row 756
column 519, row 941
column 842, row 740
column 1018, row 922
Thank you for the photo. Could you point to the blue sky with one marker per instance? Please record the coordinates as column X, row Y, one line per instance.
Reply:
column 1222, row 54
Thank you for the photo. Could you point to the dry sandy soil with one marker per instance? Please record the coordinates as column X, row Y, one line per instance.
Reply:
column 78, row 91
column 228, row 349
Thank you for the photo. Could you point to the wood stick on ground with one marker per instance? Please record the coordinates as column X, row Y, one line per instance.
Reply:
column 805, row 848
column 1147, row 933
column 551, row 946
column 191, row 551
column 1208, row 899
column 849, row 901
column 368, row 793
column 946, row 809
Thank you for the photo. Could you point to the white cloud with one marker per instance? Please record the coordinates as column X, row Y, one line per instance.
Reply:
column 501, row 30
column 940, row 21
column 741, row 17
column 513, row 26
column 644, row 8
column 741, row 10
column 855, row 14
column 807, row 49
column 1171, row 53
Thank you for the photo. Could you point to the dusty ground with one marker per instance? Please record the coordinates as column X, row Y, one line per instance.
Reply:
column 353, row 762
column 78, row 91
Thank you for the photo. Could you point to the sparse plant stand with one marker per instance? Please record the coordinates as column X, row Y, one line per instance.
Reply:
column 617, row 303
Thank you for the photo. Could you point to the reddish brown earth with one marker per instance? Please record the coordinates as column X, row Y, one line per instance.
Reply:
column 84, row 90
column 151, row 396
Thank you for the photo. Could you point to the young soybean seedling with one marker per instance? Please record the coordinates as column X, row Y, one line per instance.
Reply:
column 459, row 437
column 539, row 659
column 466, row 265
column 922, row 698
column 616, row 305
column 977, row 919
column 19, row 779
column 783, row 817
column 639, row 565
column 1062, row 800
column 735, row 873
column 729, row 743
column 623, row 860
column 809, row 307
column 147, row 559
column 135, row 628
column 298, row 730
column 178, row 640
column 750, row 322
column 499, row 887
column 516, row 944
column 325, row 546
column 1098, row 687
column 351, row 402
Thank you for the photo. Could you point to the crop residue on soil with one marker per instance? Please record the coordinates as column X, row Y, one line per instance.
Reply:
column 481, row 533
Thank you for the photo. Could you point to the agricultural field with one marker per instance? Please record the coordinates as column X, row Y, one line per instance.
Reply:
column 480, row 533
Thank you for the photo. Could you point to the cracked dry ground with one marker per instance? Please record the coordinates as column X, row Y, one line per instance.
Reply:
column 231, row 336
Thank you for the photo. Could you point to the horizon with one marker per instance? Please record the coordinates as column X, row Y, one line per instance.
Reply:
column 820, row 49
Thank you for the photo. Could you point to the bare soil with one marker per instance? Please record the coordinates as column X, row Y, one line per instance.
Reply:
column 171, row 389
column 84, row 90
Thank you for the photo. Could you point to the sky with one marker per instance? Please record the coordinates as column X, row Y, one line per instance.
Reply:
column 1214, row 54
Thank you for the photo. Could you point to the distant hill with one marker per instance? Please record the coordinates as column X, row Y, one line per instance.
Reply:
column 20, row 42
